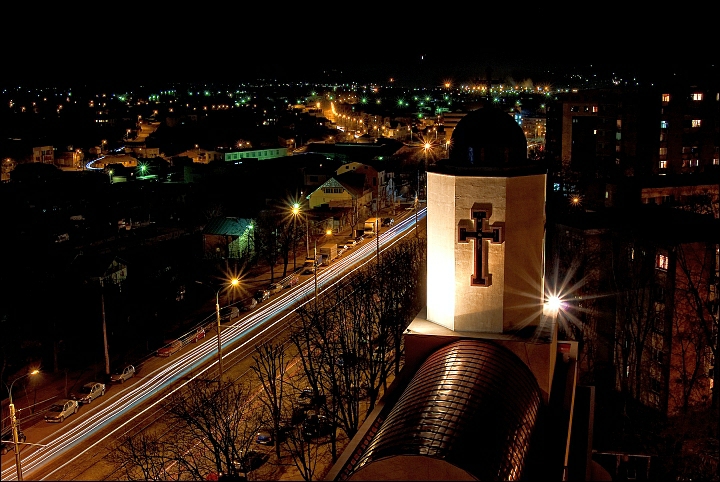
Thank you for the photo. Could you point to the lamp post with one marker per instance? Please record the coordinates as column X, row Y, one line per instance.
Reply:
column 233, row 282
column 295, row 212
column 13, row 421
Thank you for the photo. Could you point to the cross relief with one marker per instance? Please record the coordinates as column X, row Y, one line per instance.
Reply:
column 482, row 233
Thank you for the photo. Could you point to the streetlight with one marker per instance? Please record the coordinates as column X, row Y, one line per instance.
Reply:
column 13, row 421
column 233, row 282
column 295, row 212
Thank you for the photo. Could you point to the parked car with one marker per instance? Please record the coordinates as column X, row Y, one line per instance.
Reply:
column 261, row 295
column 227, row 313
column 275, row 288
column 249, row 460
column 61, row 410
column 307, row 399
column 346, row 360
column 358, row 239
column 291, row 281
column 89, row 392
column 388, row 221
column 8, row 444
column 315, row 425
column 170, row 348
column 120, row 374
column 251, row 303
column 199, row 335
column 350, row 243
column 266, row 435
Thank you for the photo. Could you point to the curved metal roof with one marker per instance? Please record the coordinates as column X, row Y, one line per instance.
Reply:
column 472, row 404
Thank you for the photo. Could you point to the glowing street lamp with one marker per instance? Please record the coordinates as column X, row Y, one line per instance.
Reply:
column 295, row 213
column 233, row 283
column 13, row 421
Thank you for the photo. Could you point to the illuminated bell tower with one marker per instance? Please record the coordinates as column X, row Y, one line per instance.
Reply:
column 486, row 229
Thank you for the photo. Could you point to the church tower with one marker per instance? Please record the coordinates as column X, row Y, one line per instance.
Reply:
column 486, row 229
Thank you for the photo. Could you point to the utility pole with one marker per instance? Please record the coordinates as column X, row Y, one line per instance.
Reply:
column 315, row 272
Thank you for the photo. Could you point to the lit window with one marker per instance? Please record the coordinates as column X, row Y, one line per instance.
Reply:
column 663, row 152
column 594, row 108
column 697, row 96
column 663, row 124
column 666, row 97
column 696, row 122
column 716, row 162
column 662, row 262
column 663, row 164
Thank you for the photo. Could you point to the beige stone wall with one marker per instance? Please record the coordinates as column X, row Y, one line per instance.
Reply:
column 514, row 297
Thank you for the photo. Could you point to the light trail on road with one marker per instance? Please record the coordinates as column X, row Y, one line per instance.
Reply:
column 186, row 366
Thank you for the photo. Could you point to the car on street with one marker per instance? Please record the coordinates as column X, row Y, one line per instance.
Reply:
column 61, row 410
column 249, row 460
column 291, row 281
column 262, row 295
column 358, row 239
column 228, row 313
column 315, row 425
column 308, row 400
column 89, row 392
column 169, row 348
column 122, row 373
column 350, row 243
column 388, row 221
column 8, row 444
column 266, row 434
column 249, row 305
column 199, row 335
column 275, row 288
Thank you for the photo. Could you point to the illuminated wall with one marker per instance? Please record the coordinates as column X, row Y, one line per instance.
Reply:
column 512, row 298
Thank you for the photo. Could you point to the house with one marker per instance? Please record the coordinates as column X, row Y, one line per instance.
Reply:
column 348, row 195
column 227, row 237
column 101, row 268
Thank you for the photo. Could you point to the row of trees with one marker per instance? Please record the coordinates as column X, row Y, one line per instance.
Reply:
column 342, row 347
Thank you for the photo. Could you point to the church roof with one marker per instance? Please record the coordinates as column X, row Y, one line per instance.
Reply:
column 460, row 409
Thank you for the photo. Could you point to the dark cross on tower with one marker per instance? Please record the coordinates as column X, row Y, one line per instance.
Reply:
column 478, row 229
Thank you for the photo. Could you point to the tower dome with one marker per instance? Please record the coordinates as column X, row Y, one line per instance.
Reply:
column 487, row 139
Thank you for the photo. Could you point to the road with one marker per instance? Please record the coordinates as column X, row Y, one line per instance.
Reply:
column 77, row 448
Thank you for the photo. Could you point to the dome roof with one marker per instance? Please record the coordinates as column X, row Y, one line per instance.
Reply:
column 488, row 137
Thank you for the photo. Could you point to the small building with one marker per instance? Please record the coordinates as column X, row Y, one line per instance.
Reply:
column 227, row 237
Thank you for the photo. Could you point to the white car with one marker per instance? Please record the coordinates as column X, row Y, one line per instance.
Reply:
column 61, row 410
column 89, row 392
column 122, row 374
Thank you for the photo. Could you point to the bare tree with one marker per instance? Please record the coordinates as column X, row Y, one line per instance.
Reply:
column 209, row 426
column 697, row 289
column 270, row 367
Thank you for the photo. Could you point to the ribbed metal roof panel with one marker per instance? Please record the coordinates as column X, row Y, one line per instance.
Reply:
column 473, row 404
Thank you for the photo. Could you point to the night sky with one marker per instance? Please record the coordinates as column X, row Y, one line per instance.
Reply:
column 368, row 43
